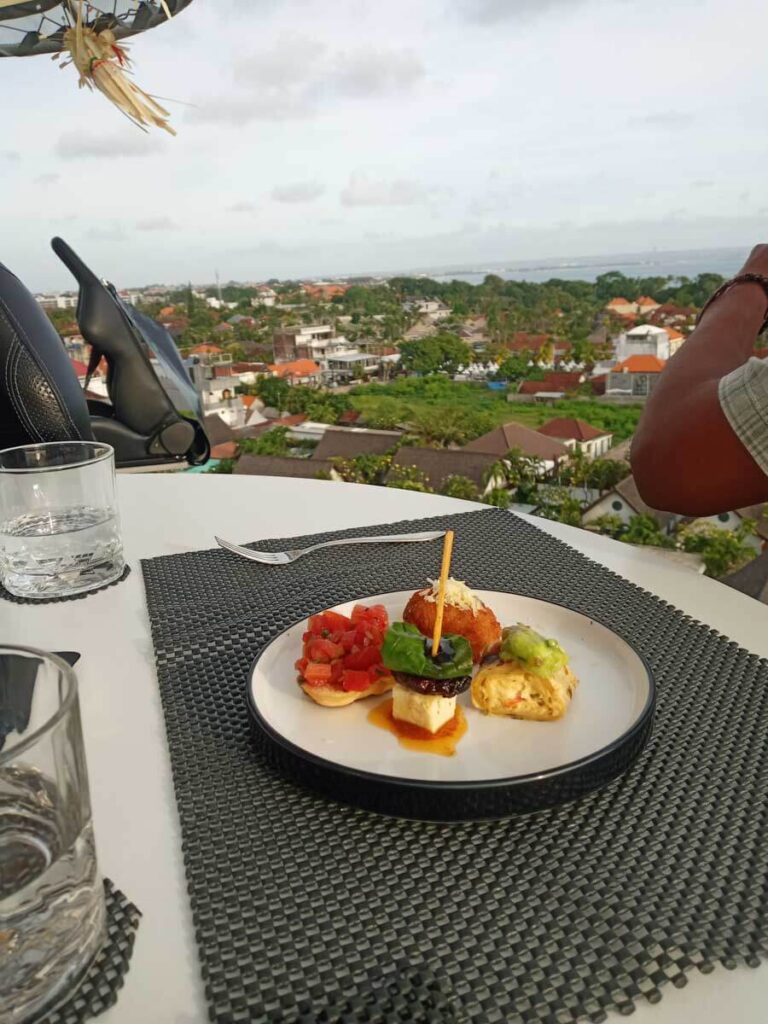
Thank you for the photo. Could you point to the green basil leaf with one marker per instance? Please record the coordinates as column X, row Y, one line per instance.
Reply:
column 405, row 649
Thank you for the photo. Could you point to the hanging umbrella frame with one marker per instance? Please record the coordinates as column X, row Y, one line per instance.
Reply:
column 52, row 18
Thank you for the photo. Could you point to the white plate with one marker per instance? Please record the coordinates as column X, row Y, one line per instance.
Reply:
column 614, row 697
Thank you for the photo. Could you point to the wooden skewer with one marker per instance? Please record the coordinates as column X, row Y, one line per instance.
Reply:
column 444, row 570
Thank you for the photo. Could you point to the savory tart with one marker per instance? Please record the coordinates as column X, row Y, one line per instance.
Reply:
column 464, row 615
column 341, row 656
column 426, row 687
column 527, row 678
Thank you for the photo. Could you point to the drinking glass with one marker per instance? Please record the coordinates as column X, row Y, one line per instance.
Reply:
column 59, row 523
column 52, row 910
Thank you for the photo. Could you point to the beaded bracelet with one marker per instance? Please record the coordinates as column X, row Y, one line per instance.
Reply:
column 748, row 278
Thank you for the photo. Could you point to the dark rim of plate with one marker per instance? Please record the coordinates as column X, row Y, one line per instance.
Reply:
column 444, row 787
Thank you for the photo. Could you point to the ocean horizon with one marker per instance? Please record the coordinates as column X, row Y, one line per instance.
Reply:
column 676, row 264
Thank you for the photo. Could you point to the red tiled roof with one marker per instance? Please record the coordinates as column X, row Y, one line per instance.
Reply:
column 226, row 450
column 569, row 428
column 673, row 334
column 298, row 368
column 646, row 300
column 618, row 302
column 553, row 381
column 249, row 367
column 247, row 400
column 641, row 364
column 514, row 435
column 205, row 350
column 522, row 341
column 324, row 291
column 290, row 421
column 349, row 416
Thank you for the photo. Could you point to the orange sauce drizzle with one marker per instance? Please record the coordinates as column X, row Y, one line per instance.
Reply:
column 443, row 742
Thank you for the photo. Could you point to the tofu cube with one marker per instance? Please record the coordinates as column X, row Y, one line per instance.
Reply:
column 428, row 711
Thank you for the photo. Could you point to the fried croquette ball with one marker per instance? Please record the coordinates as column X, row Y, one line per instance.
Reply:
column 475, row 622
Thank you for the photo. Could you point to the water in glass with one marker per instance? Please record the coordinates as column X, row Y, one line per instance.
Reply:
column 52, row 911
column 51, row 896
column 61, row 550
column 59, row 523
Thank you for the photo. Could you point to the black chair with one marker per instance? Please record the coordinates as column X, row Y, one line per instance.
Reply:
column 142, row 423
column 40, row 396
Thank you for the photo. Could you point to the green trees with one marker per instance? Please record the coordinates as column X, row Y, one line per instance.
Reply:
column 273, row 391
column 518, row 472
column 363, row 469
column 498, row 497
column 644, row 530
column 320, row 406
column 593, row 474
column 409, row 478
column 640, row 530
column 723, row 550
column 556, row 503
column 442, row 353
column 457, row 486
column 274, row 442
column 518, row 366
column 449, row 427
column 603, row 474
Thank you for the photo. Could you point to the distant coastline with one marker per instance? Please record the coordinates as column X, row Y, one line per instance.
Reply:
column 684, row 263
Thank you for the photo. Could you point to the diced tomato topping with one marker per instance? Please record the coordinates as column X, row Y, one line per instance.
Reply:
column 363, row 658
column 344, row 651
column 323, row 650
column 316, row 674
column 348, row 639
column 377, row 616
column 334, row 621
column 355, row 681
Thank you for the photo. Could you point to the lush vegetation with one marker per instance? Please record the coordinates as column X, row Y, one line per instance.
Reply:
column 723, row 551
column 276, row 441
column 317, row 405
column 441, row 353
column 469, row 410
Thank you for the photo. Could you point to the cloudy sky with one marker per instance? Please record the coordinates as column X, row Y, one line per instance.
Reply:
column 322, row 138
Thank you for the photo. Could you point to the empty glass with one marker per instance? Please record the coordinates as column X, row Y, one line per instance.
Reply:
column 52, row 911
column 59, row 524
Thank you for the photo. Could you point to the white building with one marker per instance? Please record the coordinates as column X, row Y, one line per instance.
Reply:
column 265, row 296
column 624, row 502
column 66, row 300
column 213, row 303
column 732, row 520
column 432, row 309
column 647, row 340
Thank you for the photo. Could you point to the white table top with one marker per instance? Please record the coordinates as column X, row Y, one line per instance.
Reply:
column 134, row 809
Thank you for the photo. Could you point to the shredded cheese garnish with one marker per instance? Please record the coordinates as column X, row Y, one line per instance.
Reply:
column 457, row 594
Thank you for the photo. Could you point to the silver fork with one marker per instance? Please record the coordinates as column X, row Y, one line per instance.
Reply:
column 285, row 557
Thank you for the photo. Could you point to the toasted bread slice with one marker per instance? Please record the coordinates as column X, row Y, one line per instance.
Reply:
column 330, row 697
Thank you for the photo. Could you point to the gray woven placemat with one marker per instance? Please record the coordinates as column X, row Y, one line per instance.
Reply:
column 309, row 911
column 101, row 986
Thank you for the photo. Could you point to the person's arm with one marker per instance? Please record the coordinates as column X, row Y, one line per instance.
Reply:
column 686, row 457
